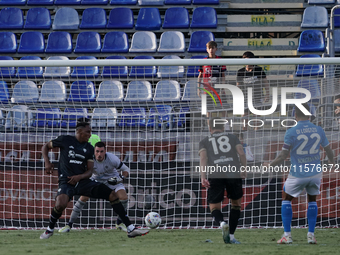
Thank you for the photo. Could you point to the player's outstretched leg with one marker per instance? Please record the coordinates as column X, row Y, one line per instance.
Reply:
column 286, row 215
column 55, row 215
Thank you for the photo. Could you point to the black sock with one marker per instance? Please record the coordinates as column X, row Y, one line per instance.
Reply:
column 70, row 224
column 233, row 219
column 118, row 207
column 55, row 215
column 217, row 216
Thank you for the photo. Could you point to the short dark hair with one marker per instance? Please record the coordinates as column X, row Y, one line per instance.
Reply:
column 248, row 54
column 299, row 113
column 216, row 126
column 100, row 144
column 82, row 124
column 211, row 44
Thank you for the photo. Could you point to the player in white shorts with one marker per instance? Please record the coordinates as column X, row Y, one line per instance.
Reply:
column 303, row 142
column 105, row 170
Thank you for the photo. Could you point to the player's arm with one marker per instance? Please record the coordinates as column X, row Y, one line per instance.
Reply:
column 48, row 165
column 203, row 165
column 279, row 160
column 243, row 158
column 73, row 180
column 330, row 154
column 199, row 78
column 125, row 171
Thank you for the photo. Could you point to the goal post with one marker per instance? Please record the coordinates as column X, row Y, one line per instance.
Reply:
column 150, row 113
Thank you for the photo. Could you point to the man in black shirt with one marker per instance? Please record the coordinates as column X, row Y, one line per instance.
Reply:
column 223, row 150
column 75, row 169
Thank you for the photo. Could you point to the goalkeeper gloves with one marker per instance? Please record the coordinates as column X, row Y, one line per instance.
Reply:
column 116, row 180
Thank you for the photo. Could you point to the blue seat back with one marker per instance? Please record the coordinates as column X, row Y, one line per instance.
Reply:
column 32, row 42
column 312, row 86
column 315, row 17
column 4, row 94
column 167, row 90
column 170, row 71
column 176, row 17
column 115, row 71
column 205, row 2
column 311, row 41
column 82, row 91
column 309, row 70
column 88, row 42
column 115, row 42
column 11, row 18
column 30, row 71
column 150, row 2
column 121, row 18
column 66, row 19
column 57, row 71
column 337, row 18
column 40, row 2
column 177, row 2
column 143, row 71
column 133, row 117
column 94, row 2
column 50, row 117
column 71, row 115
column 182, row 119
column 336, row 38
column 123, row 2
column 190, row 91
column 12, row 2
column 321, row 1
column 138, row 91
column 193, row 70
column 104, row 117
column 172, row 41
column 7, row 72
column 148, row 19
column 19, row 117
column 53, row 91
column 160, row 116
column 38, row 18
column 85, row 71
column 204, row 17
column 143, row 41
column 59, row 42
column 110, row 91
column 198, row 41
column 25, row 92
column 93, row 18
column 67, row 2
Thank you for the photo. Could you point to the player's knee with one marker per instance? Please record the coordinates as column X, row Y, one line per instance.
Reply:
column 113, row 196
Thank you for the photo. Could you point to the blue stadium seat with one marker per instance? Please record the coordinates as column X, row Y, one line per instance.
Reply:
column 30, row 72
column 321, row 1
column 336, row 38
column 143, row 71
column 150, row 2
column 47, row 117
column 138, row 91
column 123, row 2
column 313, row 87
column 309, row 70
column 315, row 17
column 57, row 71
column 144, row 41
column 204, row 17
column 177, row 2
column 160, row 117
column 190, row 91
column 12, row 2
column 19, row 117
column 67, row 2
column 53, row 91
column 110, row 91
column 40, row 2
column 198, row 41
column 32, row 42
column 59, row 42
column 205, row 2
column 71, row 115
column 148, row 19
column 176, row 17
column 172, row 41
column 4, row 94
column 167, row 90
column 193, row 70
column 66, row 19
column 104, row 118
column 115, row 71
column 8, row 42
column 181, row 119
column 11, row 18
column 38, row 18
column 88, row 42
column 25, row 92
column 115, row 42
column 82, row 91
column 94, row 2
column 311, row 41
column 85, row 71
column 121, row 18
column 133, row 117
column 170, row 71
column 93, row 18
column 7, row 72
column 337, row 18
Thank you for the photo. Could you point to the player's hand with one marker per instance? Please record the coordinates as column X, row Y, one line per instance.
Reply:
column 116, row 180
column 74, row 179
column 205, row 183
column 49, row 168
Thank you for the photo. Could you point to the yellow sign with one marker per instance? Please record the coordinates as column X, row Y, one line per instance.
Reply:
column 262, row 20
column 259, row 43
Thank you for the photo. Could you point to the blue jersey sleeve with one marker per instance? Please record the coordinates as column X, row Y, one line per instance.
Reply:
column 288, row 140
column 324, row 140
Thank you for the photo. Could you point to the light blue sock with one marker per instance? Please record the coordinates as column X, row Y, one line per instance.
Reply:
column 312, row 214
column 286, row 215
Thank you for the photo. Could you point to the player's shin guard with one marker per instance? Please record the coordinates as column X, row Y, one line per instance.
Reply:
column 286, row 215
column 119, row 209
column 125, row 204
column 55, row 215
column 77, row 208
column 217, row 216
column 312, row 214
column 235, row 213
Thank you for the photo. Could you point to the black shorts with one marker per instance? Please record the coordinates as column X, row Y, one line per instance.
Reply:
column 87, row 188
column 218, row 186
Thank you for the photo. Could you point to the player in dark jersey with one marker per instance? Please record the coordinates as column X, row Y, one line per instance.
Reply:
column 75, row 169
column 224, row 150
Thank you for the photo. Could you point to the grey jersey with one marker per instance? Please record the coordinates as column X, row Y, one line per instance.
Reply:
column 108, row 168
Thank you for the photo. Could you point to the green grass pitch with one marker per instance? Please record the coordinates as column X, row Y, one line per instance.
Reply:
column 163, row 242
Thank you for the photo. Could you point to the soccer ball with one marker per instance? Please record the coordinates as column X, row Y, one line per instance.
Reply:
column 153, row 220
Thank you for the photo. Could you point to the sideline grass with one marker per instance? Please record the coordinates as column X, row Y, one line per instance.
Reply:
column 164, row 242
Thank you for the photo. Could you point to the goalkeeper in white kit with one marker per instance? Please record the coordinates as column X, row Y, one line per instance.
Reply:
column 105, row 170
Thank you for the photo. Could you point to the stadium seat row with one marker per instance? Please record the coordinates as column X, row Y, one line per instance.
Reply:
column 119, row 18
column 317, row 17
column 114, row 42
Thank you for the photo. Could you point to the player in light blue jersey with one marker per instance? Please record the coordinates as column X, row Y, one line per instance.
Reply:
column 303, row 142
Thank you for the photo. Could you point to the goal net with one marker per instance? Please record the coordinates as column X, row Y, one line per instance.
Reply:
column 151, row 114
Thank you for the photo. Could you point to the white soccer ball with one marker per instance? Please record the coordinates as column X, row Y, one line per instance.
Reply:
column 153, row 220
